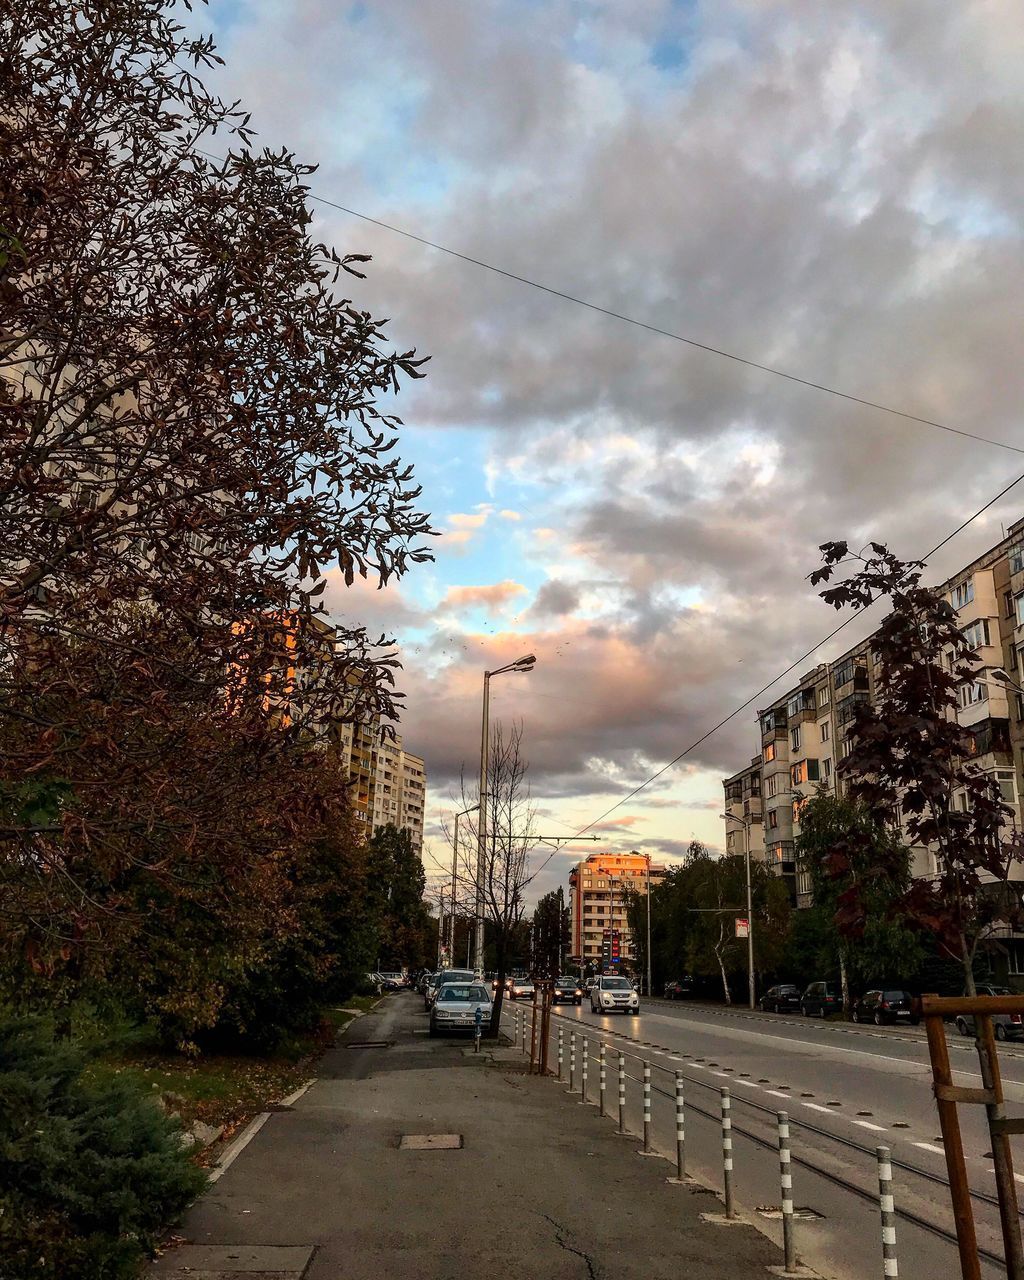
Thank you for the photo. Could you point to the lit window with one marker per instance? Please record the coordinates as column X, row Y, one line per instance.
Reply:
column 769, row 753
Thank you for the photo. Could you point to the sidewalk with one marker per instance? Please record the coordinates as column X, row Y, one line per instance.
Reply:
column 541, row 1186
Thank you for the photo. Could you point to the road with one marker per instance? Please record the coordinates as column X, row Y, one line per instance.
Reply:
column 846, row 1088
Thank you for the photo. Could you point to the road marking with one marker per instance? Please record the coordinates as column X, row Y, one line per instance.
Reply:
column 776, row 1094
column 719, row 1073
column 929, row 1146
column 866, row 1124
column 814, row 1106
column 749, row 1083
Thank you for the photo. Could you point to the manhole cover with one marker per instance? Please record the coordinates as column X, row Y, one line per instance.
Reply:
column 801, row 1211
column 365, row 1044
column 430, row 1142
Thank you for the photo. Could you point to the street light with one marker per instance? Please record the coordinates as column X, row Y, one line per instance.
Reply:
column 524, row 664
column 750, row 905
column 1002, row 677
column 455, row 872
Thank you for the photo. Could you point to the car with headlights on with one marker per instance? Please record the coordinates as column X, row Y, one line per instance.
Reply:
column 566, row 991
column 521, row 989
column 438, row 980
column 613, row 994
column 456, row 1005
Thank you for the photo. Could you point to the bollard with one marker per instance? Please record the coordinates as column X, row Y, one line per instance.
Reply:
column 515, row 1041
column 730, row 1211
column 887, row 1207
column 602, row 1083
column 680, row 1128
column 572, row 1061
column 786, row 1183
column 586, row 1068
column 559, row 1053
column 647, row 1108
column 524, row 1031
column 622, row 1093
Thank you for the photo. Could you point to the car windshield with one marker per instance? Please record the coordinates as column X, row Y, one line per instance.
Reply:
column 615, row 984
column 524, row 982
column 895, row 995
column 451, row 993
column 565, row 982
column 456, row 975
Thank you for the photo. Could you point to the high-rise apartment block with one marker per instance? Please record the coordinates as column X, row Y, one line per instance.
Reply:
column 388, row 784
column 805, row 733
column 597, row 902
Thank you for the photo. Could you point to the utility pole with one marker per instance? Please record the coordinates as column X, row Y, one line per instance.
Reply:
column 750, row 907
column 648, row 867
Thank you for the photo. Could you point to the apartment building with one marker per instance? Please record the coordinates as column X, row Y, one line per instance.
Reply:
column 805, row 733
column 597, row 901
column 744, row 828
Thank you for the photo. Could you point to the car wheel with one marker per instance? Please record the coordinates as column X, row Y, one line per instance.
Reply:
column 803, row 1012
column 915, row 1022
column 961, row 1026
column 1000, row 1032
column 636, row 1013
column 877, row 1019
column 821, row 1015
column 433, row 1030
column 855, row 1016
column 577, row 1001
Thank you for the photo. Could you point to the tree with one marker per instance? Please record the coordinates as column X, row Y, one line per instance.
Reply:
column 911, row 760
column 550, row 934
column 886, row 948
column 395, row 897
column 190, row 436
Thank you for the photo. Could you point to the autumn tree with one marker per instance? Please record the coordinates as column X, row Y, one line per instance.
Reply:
column 191, row 437
column 550, row 934
column 910, row 766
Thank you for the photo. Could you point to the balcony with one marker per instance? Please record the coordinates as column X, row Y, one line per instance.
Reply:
column 851, row 677
column 802, row 706
column 991, row 737
column 773, row 725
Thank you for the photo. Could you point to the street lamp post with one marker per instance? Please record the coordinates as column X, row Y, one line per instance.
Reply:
column 648, row 864
column 750, row 906
column 455, row 873
column 525, row 663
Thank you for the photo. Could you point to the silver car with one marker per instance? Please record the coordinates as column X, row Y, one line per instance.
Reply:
column 456, row 1005
column 521, row 989
column 440, row 978
column 611, row 994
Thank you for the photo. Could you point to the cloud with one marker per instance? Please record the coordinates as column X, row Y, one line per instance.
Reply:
column 493, row 597
column 507, row 514
column 555, row 599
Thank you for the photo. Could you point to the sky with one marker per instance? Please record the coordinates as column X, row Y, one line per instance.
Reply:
column 833, row 190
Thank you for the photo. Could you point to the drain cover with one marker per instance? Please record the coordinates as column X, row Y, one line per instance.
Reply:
column 801, row 1211
column 430, row 1142
column 365, row 1044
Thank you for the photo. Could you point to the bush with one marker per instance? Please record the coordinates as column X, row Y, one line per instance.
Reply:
column 90, row 1171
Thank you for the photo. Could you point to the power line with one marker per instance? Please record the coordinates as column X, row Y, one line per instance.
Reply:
column 668, row 333
column 792, row 666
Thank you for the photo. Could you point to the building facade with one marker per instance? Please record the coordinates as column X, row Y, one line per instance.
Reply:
column 597, row 902
column 387, row 783
column 805, row 733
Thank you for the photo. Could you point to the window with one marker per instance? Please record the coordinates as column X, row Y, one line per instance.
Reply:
column 1008, row 604
column 804, row 771
column 824, row 696
column 1018, row 605
column 771, row 785
column 794, row 738
column 826, row 770
column 1007, row 790
column 976, row 634
column 773, row 819
column 769, row 753
column 798, row 805
column 973, row 692
column 844, row 673
column 826, row 730
column 962, row 594
column 1017, row 558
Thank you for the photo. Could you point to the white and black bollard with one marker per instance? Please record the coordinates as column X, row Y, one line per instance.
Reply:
column 887, row 1208
column 680, row 1128
column 786, row 1184
column 602, row 1078
column 647, row 1108
column 572, row 1061
column 584, row 1074
column 730, row 1211
column 622, row 1093
column 559, row 1053
column 524, row 1031
column 515, row 1025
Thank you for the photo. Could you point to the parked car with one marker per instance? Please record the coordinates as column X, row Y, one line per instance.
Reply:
column 440, row 978
column 611, row 993
column 521, row 989
column 679, row 989
column 783, row 998
column 820, row 999
column 566, row 991
column 889, row 1004
column 1006, row 1026
column 455, row 1007
column 391, row 981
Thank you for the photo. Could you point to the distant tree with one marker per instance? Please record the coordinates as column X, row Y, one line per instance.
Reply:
column 911, row 760
column 397, row 883
column 550, row 934
column 875, row 865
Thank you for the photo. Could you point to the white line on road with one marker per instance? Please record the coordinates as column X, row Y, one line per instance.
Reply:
column 724, row 1074
column 929, row 1146
column 749, row 1083
column 866, row 1124
column 816, row 1106
column 776, row 1094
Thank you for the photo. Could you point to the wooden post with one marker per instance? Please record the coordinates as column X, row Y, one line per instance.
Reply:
column 1002, row 1159
column 949, row 1123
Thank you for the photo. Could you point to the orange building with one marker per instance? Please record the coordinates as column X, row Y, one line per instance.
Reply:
column 597, row 901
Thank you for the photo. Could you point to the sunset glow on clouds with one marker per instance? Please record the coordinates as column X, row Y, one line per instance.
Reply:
column 794, row 183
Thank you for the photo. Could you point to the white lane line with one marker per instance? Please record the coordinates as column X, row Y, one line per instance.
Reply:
column 236, row 1148
column 723, row 1074
column 816, row 1106
column 674, row 1059
column 749, row 1083
column 776, row 1094
column 929, row 1146
column 866, row 1124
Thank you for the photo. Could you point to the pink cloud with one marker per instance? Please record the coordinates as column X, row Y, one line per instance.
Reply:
column 492, row 597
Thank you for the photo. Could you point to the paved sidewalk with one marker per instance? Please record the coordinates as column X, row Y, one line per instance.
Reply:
column 540, row 1187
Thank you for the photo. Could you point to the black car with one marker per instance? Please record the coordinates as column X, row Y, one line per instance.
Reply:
column 885, row 1005
column 566, row 991
column 680, row 989
column 820, row 999
column 784, row 998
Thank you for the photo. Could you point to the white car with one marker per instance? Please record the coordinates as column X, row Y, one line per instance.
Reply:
column 456, row 1005
column 611, row 994
column 521, row 989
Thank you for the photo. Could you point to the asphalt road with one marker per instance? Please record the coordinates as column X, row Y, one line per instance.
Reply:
column 847, row 1089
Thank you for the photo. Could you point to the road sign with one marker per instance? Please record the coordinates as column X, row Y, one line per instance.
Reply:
column 742, row 927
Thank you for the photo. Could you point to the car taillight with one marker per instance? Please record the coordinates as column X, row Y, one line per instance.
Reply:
column 885, row 1004
column 1015, row 1017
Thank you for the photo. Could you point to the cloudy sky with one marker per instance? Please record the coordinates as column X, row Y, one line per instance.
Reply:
column 831, row 189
